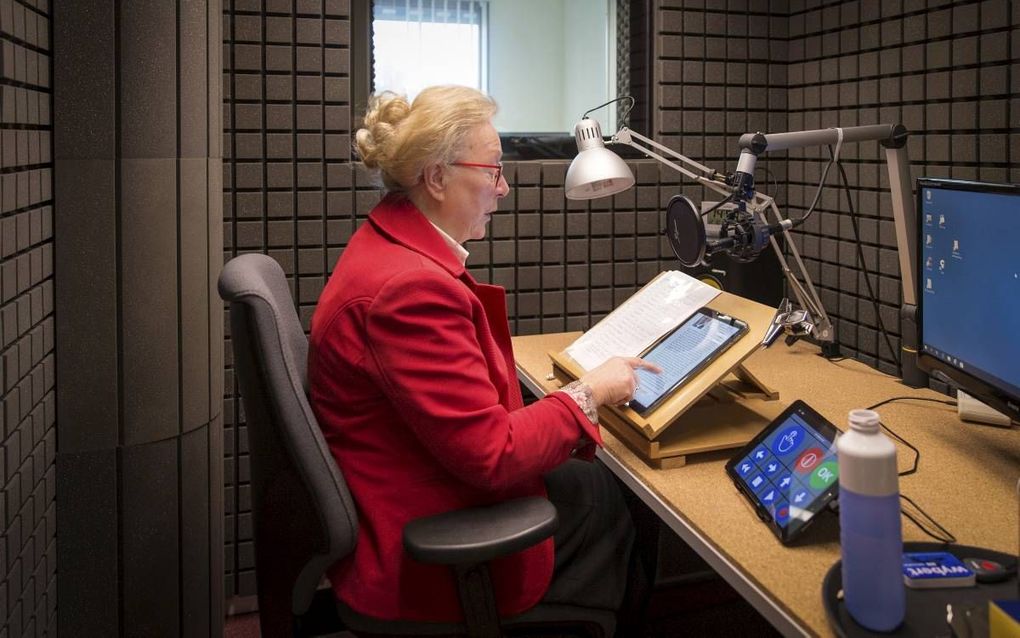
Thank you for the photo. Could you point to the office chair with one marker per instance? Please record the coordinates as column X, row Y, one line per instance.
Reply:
column 305, row 519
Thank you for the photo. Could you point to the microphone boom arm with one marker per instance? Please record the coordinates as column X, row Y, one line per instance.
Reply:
column 748, row 218
column 893, row 138
column 805, row 292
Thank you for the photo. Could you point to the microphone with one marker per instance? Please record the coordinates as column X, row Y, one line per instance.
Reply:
column 742, row 236
column 749, row 238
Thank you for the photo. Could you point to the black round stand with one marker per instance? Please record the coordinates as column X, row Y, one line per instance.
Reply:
column 926, row 608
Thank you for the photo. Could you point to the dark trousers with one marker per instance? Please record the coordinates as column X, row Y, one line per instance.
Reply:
column 595, row 562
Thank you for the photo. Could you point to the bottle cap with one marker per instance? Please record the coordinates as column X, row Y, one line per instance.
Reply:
column 864, row 421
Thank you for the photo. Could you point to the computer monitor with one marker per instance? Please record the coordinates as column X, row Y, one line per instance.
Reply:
column 968, row 288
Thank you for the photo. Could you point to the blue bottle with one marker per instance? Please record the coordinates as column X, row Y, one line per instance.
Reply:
column 871, row 537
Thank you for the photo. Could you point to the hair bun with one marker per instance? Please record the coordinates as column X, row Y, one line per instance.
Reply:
column 400, row 139
column 385, row 113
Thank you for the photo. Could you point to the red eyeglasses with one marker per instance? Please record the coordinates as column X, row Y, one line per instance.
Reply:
column 496, row 167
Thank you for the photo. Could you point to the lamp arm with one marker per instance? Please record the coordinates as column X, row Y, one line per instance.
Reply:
column 627, row 136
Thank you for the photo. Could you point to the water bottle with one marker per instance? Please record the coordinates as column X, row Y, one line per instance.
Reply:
column 869, row 518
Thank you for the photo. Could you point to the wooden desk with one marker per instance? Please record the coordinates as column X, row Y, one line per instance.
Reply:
column 966, row 479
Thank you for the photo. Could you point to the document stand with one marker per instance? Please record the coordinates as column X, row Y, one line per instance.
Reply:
column 724, row 406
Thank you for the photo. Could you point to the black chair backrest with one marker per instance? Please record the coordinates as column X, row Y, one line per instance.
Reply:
column 304, row 517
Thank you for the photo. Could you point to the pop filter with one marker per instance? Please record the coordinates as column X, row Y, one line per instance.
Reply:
column 685, row 230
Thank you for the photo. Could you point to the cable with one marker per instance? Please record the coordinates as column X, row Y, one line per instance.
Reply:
column 943, row 535
column 726, row 200
column 775, row 182
column 917, row 453
column 930, row 400
column 630, row 107
column 927, row 522
column 864, row 266
column 818, row 192
column 621, row 118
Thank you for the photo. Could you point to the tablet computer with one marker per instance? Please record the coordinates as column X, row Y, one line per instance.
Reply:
column 682, row 353
column 789, row 472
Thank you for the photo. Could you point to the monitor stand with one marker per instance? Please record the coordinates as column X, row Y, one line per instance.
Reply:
column 973, row 411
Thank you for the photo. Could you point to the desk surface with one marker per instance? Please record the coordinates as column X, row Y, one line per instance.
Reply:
column 966, row 479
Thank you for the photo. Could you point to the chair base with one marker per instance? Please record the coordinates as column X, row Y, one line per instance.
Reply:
column 542, row 620
column 321, row 619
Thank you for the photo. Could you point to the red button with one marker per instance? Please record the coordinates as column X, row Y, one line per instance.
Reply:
column 808, row 459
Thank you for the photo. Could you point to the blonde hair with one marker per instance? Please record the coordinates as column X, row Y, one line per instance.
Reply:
column 401, row 139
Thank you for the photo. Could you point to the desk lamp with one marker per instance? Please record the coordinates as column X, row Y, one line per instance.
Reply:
column 745, row 231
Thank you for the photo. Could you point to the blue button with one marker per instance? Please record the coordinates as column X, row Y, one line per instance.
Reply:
column 784, row 482
column 745, row 467
column 772, row 467
column 782, row 513
column 760, row 455
column 770, row 495
column 757, row 483
column 801, row 497
column 788, row 440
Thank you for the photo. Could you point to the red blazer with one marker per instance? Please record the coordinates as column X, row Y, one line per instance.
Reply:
column 413, row 382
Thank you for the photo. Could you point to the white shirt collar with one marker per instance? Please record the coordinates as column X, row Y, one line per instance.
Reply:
column 458, row 251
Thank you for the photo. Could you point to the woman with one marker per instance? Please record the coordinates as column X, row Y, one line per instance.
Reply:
column 413, row 381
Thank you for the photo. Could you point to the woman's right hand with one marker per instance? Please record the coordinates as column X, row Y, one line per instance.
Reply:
column 614, row 382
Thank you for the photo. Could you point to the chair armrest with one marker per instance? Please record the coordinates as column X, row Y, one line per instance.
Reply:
column 480, row 534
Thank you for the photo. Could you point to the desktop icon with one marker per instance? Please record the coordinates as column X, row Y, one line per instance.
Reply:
column 942, row 265
column 942, row 221
column 929, row 284
column 927, row 219
column 927, row 240
column 927, row 263
column 956, row 245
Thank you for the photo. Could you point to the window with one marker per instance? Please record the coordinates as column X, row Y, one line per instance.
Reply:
column 418, row 43
column 545, row 62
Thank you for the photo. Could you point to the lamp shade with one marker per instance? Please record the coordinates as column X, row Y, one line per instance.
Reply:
column 596, row 171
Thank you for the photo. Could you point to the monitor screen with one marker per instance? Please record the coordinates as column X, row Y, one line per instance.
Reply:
column 969, row 287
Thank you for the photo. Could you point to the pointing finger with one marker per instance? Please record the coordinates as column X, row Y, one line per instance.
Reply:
column 641, row 363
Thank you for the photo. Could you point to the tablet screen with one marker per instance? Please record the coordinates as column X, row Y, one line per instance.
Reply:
column 789, row 471
column 702, row 337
